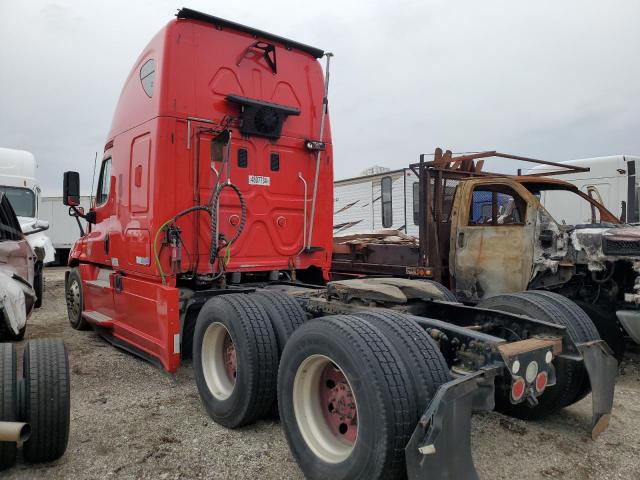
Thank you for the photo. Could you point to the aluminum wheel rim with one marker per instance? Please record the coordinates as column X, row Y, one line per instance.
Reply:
column 313, row 414
column 73, row 300
column 218, row 357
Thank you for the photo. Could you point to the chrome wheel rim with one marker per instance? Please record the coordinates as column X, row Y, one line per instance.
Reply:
column 73, row 300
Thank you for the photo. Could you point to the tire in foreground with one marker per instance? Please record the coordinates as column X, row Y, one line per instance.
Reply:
column 346, row 405
column 235, row 359
column 8, row 400
column 46, row 399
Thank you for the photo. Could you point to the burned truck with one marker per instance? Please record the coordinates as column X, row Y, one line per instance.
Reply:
column 483, row 234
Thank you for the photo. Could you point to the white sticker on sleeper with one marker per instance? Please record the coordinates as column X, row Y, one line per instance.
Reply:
column 258, row 180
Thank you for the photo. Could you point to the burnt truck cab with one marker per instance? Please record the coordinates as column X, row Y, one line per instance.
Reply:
column 484, row 234
column 505, row 238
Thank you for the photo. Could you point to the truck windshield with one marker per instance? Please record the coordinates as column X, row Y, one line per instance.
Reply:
column 566, row 206
column 23, row 200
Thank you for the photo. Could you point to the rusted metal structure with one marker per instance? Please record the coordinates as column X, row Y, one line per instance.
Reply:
column 442, row 175
column 485, row 233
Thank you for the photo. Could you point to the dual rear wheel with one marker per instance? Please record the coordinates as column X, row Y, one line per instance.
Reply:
column 350, row 389
column 572, row 381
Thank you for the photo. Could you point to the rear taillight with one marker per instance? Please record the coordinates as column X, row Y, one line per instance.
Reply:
column 541, row 382
column 517, row 389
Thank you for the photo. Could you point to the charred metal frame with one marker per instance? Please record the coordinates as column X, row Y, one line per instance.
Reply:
column 445, row 166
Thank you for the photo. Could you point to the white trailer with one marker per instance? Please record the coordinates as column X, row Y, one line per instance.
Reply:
column 18, row 182
column 610, row 180
column 386, row 200
column 63, row 228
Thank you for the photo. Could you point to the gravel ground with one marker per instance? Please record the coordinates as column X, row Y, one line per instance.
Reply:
column 130, row 420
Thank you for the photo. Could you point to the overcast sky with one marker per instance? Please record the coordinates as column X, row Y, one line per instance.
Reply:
column 548, row 79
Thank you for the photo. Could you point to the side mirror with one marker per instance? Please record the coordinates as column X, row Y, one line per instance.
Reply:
column 37, row 227
column 71, row 189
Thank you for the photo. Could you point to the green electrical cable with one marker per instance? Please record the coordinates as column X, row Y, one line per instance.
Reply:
column 155, row 250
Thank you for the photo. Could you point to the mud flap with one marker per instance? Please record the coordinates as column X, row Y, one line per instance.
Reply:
column 602, row 369
column 440, row 447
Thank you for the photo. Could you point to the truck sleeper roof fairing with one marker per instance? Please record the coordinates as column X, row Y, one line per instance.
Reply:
column 222, row 23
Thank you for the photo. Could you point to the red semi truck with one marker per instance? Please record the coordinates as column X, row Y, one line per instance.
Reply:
column 211, row 236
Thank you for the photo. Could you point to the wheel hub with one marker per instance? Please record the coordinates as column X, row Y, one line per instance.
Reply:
column 73, row 299
column 230, row 358
column 338, row 404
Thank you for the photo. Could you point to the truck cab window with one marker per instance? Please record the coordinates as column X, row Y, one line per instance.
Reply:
column 23, row 200
column 104, row 183
column 387, row 210
column 496, row 205
column 567, row 206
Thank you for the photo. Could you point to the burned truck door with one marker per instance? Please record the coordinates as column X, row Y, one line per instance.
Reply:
column 492, row 233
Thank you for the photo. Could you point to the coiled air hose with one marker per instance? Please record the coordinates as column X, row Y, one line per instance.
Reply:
column 214, row 219
column 167, row 223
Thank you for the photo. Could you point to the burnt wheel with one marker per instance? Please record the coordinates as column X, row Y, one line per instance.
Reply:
column 8, row 400
column 235, row 357
column 46, row 399
column 75, row 300
column 571, row 376
column 345, row 404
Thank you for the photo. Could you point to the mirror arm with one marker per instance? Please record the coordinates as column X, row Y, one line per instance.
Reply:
column 80, row 227
column 89, row 217
column 37, row 230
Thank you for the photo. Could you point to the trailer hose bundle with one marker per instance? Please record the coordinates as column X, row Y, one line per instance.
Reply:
column 213, row 210
column 214, row 222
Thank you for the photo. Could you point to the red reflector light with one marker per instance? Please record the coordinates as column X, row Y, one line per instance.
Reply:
column 541, row 381
column 517, row 389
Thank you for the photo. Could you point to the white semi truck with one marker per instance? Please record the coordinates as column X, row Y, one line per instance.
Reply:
column 19, row 185
column 63, row 228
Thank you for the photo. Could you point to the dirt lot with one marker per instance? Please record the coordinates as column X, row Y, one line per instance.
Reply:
column 130, row 420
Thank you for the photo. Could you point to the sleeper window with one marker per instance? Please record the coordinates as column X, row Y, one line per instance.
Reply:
column 148, row 76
